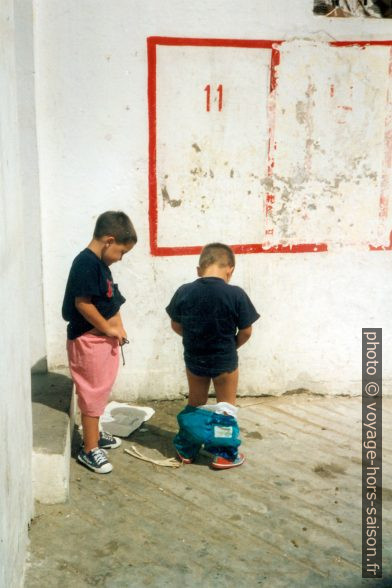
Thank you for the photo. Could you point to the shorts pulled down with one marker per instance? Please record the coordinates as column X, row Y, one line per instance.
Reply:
column 93, row 363
column 219, row 433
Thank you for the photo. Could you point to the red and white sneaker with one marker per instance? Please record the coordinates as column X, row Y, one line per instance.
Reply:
column 221, row 463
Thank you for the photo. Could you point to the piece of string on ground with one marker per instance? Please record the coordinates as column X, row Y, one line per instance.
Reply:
column 170, row 462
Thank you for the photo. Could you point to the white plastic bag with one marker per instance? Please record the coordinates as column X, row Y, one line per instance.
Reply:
column 222, row 408
column 122, row 419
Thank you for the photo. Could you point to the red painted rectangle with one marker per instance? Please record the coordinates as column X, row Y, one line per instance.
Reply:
column 152, row 43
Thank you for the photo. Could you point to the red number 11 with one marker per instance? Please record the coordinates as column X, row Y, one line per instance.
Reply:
column 207, row 90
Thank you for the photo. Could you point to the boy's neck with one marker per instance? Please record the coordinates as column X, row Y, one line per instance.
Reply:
column 96, row 247
column 216, row 271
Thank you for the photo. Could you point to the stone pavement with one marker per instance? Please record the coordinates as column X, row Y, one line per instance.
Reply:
column 290, row 517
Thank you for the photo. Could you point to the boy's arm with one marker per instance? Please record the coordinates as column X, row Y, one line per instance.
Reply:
column 116, row 320
column 242, row 336
column 111, row 328
column 177, row 327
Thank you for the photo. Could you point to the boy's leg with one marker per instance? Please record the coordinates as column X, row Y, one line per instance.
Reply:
column 226, row 387
column 198, row 389
column 90, row 426
column 226, row 391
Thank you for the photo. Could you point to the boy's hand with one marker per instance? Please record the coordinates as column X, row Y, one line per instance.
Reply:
column 118, row 332
column 177, row 327
column 112, row 327
column 115, row 326
column 242, row 336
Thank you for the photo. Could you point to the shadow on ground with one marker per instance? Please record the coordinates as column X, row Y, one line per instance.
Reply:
column 155, row 435
column 52, row 390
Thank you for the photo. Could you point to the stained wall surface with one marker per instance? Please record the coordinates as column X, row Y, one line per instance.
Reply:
column 274, row 138
column 29, row 180
column 15, row 414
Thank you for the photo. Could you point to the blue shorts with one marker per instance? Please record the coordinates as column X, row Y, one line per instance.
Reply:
column 208, row 372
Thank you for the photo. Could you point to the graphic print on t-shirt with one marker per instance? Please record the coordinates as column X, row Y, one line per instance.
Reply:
column 109, row 293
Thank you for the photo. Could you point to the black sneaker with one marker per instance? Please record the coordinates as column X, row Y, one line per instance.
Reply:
column 107, row 441
column 322, row 7
column 95, row 460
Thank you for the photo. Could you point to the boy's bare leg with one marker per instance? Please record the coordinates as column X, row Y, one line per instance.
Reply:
column 226, row 387
column 90, row 432
column 198, row 389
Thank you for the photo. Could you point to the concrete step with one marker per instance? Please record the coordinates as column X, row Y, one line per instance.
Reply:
column 52, row 400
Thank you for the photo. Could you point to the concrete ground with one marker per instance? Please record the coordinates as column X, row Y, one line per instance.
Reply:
column 289, row 517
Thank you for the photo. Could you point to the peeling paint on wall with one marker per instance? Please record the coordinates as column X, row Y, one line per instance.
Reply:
column 296, row 152
column 329, row 145
column 166, row 198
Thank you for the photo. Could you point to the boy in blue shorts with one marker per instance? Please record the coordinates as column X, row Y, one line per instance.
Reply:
column 214, row 320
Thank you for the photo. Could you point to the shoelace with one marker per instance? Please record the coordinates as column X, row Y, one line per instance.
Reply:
column 170, row 462
column 106, row 436
column 99, row 456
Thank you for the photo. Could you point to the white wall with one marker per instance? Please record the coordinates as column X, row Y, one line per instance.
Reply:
column 15, row 414
column 92, row 118
column 29, row 179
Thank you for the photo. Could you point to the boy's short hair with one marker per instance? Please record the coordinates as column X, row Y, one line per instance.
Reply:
column 117, row 224
column 216, row 253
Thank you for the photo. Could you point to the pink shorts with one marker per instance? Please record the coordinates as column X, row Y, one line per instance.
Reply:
column 93, row 362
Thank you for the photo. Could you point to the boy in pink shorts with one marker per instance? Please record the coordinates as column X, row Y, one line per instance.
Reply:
column 95, row 331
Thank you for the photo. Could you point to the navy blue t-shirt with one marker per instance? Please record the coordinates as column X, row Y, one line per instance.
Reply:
column 210, row 312
column 89, row 276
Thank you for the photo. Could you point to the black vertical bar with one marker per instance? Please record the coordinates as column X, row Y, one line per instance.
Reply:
column 371, row 453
